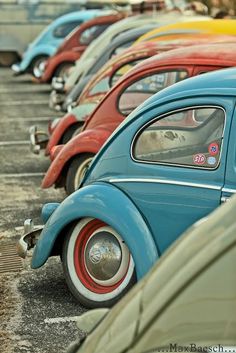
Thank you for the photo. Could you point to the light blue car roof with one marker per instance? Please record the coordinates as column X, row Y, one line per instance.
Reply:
column 83, row 15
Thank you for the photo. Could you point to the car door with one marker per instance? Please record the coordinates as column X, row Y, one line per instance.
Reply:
column 178, row 166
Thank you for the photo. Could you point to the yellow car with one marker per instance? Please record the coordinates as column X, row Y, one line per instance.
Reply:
column 172, row 31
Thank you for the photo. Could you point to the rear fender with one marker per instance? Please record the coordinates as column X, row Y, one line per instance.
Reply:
column 57, row 133
column 55, row 61
column 32, row 53
column 88, row 141
column 106, row 202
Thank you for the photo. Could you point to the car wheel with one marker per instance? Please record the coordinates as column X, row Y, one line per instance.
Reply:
column 71, row 131
column 76, row 171
column 63, row 70
column 98, row 266
column 35, row 64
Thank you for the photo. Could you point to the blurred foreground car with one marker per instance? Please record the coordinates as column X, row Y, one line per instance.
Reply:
column 70, row 162
column 74, row 45
column 169, row 164
column 186, row 302
column 48, row 41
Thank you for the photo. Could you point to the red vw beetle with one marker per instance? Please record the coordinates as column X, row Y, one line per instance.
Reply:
column 74, row 45
column 148, row 77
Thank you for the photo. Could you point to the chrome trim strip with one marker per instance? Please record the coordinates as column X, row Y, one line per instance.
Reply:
column 232, row 191
column 174, row 164
column 164, row 181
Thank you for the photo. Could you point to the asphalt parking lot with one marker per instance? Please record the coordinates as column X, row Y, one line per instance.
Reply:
column 37, row 312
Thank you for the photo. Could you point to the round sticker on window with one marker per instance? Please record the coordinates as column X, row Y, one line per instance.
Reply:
column 213, row 148
column 199, row 159
column 211, row 160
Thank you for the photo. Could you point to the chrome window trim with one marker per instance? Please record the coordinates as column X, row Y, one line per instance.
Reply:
column 173, row 164
column 165, row 181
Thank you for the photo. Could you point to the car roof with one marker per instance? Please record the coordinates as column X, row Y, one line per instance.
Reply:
column 83, row 14
column 191, row 254
column 223, row 26
column 215, row 54
column 129, row 34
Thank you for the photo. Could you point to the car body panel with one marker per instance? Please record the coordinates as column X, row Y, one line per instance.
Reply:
column 90, row 56
column 106, row 117
column 222, row 26
column 107, row 189
column 46, row 42
column 115, row 47
column 183, row 40
column 72, row 47
column 89, row 99
column 185, row 295
column 142, row 238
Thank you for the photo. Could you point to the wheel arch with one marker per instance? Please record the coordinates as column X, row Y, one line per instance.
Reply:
column 61, row 64
column 87, row 141
column 106, row 202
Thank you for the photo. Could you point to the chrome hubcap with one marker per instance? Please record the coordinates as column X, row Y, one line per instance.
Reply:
column 103, row 256
column 106, row 257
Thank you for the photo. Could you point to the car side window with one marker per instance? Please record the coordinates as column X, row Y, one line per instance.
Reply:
column 106, row 82
column 140, row 90
column 123, row 70
column 192, row 137
column 64, row 29
column 92, row 33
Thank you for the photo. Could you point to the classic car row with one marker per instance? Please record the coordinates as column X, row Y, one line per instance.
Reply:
column 145, row 150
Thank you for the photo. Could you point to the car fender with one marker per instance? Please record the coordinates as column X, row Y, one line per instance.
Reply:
column 88, row 141
column 108, row 203
column 32, row 53
column 55, row 61
column 57, row 133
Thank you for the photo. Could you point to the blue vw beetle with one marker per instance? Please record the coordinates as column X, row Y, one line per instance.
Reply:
column 169, row 164
column 49, row 39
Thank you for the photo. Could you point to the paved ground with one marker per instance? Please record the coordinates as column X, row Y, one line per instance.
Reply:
column 36, row 308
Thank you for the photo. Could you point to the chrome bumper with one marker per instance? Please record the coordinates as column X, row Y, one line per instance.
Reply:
column 29, row 239
column 56, row 100
column 58, row 84
column 38, row 139
column 16, row 69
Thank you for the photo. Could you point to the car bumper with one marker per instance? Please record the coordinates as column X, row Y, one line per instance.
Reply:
column 16, row 69
column 38, row 139
column 58, row 84
column 56, row 100
column 29, row 239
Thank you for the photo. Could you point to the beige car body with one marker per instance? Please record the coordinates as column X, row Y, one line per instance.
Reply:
column 189, row 297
